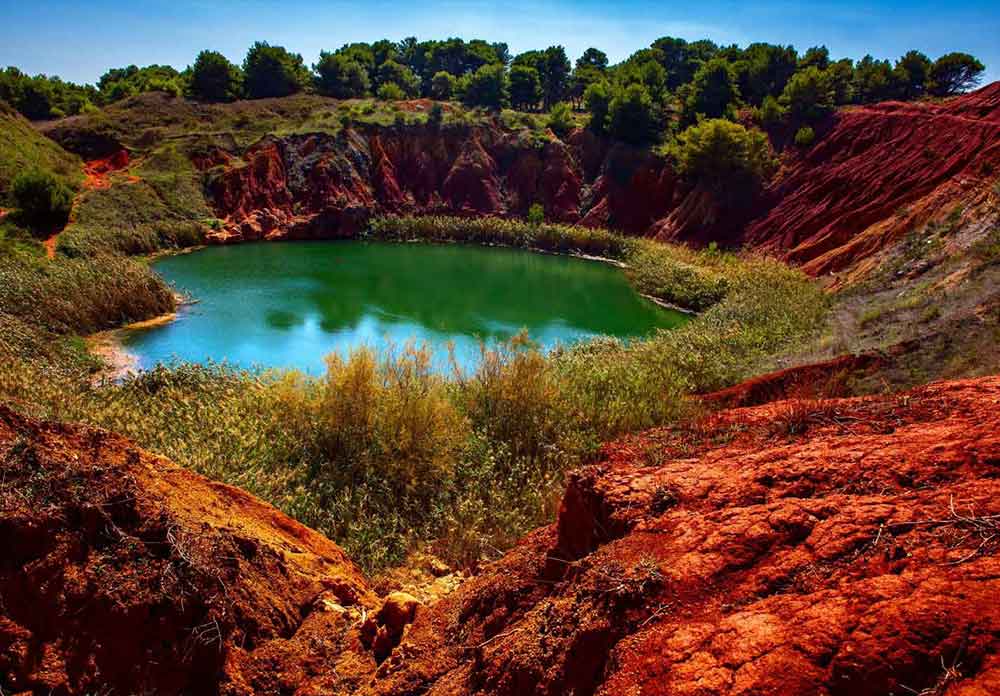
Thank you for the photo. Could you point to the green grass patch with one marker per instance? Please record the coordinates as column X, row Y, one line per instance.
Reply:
column 22, row 148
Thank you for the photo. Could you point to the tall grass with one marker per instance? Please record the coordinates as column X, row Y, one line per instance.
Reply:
column 383, row 455
column 80, row 295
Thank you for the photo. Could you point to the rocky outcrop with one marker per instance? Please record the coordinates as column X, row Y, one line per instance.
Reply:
column 797, row 547
column 124, row 573
column 878, row 172
column 801, row 547
column 875, row 173
column 320, row 185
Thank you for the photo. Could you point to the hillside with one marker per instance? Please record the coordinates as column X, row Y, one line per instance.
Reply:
column 22, row 147
column 820, row 547
column 315, row 167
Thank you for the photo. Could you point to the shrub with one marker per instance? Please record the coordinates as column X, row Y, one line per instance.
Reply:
column 770, row 113
column 214, row 78
column 272, row 71
column 487, row 87
column 805, row 137
column 442, row 85
column 597, row 100
column 435, row 117
column 714, row 92
column 390, row 91
column 536, row 214
column 525, row 87
column 339, row 76
column 632, row 117
column 43, row 201
column 720, row 154
column 809, row 95
column 560, row 119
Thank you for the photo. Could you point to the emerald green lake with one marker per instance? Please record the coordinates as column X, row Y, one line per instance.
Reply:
column 290, row 304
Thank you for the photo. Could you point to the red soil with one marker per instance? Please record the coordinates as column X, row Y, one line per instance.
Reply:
column 879, row 172
column 836, row 547
column 798, row 547
column 122, row 572
column 97, row 173
column 875, row 173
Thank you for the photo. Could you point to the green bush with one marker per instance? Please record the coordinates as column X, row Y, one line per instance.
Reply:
column 390, row 91
column 560, row 119
column 632, row 116
column 720, row 155
column 339, row 76
column 214, row 78
column 272, row 71
column 43, row 201
column 536, row 214
column 443, row 85
column 805, row 137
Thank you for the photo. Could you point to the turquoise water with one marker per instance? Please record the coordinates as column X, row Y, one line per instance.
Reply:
column 290, row 304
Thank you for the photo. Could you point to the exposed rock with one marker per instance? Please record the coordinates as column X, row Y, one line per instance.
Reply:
column 798, row 547
column 124, row 572
column 874, row 173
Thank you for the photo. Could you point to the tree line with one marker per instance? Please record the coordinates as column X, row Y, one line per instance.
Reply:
column 685, row 78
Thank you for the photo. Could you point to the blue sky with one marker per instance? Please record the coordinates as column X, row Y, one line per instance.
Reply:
column 79, row 40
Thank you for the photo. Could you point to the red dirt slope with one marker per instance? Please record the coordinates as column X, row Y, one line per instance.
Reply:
column 123, row 573
column 875, row 173
column 839, row 547
column 879, row 172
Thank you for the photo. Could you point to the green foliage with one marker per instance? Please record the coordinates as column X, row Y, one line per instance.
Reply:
column 43, row 201
column 815, row 57
column 597, row 101
column 560, row 119
column 809, row 95
column 390, row 91
column 912, row 74
column 723, row 156
column 443, row 85
column 764, row 69
column 120, row 83
column 42, row 97
column 770, row 113
column 487, row 87
column 525, row 87
column 22, row 148
column 391, row 72
column 805, row 137
column 435, row 117
column 954, row 73
column 632, row 116
column 272, row 71
column 341, row 77
column 873, row 80
column 714, row 92
column 536, row 214
column 214, row 79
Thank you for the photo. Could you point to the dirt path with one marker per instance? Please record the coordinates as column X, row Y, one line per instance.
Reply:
column 96, row 177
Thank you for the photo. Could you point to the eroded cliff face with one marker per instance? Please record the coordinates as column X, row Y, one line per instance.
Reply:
column 874, row 174
column 844, row 546
column 327, row 186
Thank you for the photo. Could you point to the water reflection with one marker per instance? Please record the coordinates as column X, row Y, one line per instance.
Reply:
column 290, row 304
